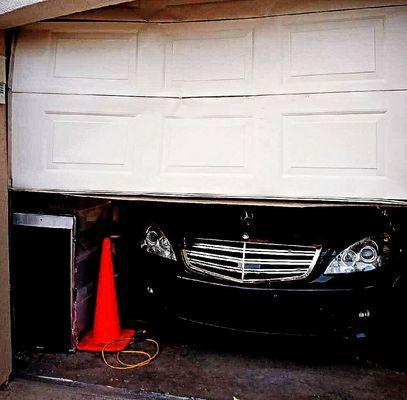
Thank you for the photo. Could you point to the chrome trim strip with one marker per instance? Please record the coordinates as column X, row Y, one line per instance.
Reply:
column 252, row 250
column 213, row 256
column 238, row 269
column 239, row 280
column 252, row 271
column 43, row 220
column 243, row 260
column 257, row 243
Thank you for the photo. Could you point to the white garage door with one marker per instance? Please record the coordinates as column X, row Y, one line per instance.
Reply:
column 303, row 106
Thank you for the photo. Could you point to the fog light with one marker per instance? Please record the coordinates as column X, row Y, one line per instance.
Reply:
column 149, row 290
column 364, row 314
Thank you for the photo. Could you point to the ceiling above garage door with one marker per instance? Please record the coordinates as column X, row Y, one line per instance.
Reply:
column 301, row 106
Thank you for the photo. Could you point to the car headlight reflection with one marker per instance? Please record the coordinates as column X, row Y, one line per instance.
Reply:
column 155, row 242
column 360, row 256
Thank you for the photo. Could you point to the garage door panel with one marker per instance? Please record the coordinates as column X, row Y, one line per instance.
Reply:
column 133, row 145
column 83, row 142
column 210, row 146
column 77, row 60
column 206, row 59
column 83, row 56
column 334, row 144
column 213, row 145
column 349, row 145
column 349, row 48
column 342, row 145
column 355, row 50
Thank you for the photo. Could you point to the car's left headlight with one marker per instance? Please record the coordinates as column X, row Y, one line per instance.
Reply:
column 365, row 255
column 156, row 242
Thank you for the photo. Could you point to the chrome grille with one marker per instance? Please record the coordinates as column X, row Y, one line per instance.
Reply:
column 249, row 261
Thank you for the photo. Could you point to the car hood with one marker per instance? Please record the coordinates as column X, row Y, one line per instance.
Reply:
column 319, row 226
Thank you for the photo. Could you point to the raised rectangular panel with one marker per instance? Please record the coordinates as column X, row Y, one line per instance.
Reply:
column 92, row 56
column 209, row 57
column 345, row 49
column 219, row 59
column 333, row 144
column 211, row 145
column 84, row 141
column 336, row 51
column 77, row 58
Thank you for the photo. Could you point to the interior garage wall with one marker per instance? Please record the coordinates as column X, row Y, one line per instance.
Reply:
column 5, row 338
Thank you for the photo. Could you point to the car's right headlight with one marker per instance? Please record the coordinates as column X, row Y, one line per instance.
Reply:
column 365, row 255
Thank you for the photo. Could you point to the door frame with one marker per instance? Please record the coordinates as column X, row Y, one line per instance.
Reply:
column 5, row 324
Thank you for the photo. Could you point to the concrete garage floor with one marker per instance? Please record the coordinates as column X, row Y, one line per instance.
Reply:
column 217, row 367
column 23, row 389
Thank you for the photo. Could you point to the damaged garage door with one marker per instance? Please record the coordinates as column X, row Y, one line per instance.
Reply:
column 300, row 106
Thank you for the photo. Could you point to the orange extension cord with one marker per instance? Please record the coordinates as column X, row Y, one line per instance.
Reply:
column 124, row 365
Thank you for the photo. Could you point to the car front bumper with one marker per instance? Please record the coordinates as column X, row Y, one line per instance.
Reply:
column 282, row 311
column 308, row 309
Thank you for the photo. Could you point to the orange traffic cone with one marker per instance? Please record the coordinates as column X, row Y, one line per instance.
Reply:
column 106, row 325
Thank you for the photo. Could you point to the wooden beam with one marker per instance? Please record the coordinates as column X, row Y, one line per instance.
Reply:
column 201, row 10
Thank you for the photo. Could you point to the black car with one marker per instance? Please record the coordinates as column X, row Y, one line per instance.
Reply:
column 309, row 270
